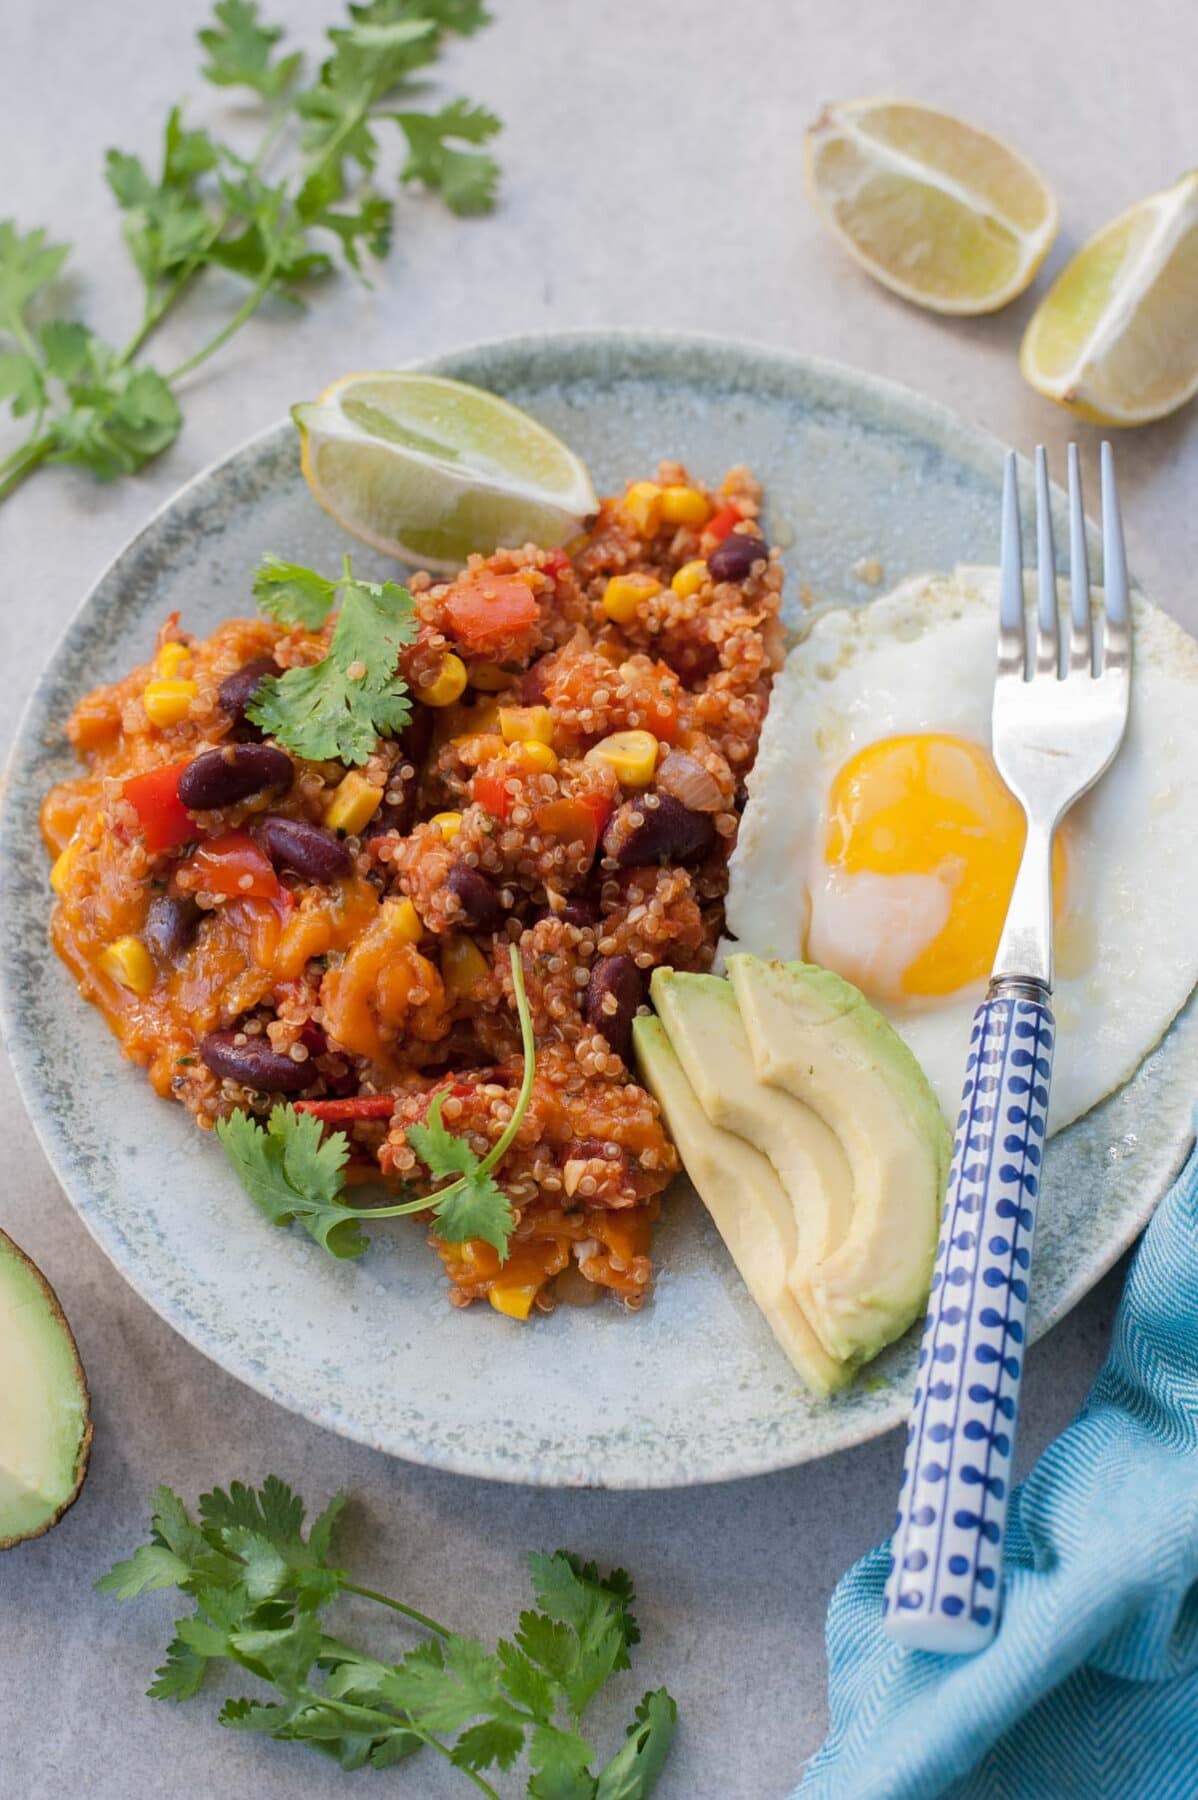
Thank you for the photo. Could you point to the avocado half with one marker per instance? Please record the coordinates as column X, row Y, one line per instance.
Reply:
column 45, row 1408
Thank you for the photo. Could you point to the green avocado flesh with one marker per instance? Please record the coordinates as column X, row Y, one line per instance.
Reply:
column 751, row 1210
column 816, row 1036
column 815, row 1142
column 704, row 1026
column 45, row 1429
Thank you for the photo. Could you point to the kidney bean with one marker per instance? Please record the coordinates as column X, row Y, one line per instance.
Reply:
column 222, row 777
column 415, row 740
column 482, row 909
column 238, row 689
column 171, row 925
column 668, row 832
column 533, row 682
column 309, row 850
column 734, row 558
column 255, row 1064
column 614, row 992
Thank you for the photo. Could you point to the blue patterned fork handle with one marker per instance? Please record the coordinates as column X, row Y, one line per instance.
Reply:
column 946, row 1566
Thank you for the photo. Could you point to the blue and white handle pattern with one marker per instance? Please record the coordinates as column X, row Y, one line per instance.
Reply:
column 943, row 1592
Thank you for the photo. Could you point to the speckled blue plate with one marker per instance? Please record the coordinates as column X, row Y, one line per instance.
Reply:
column 692, row 1389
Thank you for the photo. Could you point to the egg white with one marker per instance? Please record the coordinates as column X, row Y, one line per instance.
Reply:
column 922, row 659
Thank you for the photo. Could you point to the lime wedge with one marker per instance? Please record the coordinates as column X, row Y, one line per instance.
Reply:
column 946, row 215
column 429, row 469
column 1115, row 339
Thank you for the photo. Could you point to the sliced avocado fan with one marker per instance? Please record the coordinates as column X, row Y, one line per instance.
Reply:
column 751, row 1211
column 817, row 1037
column 45, row 1420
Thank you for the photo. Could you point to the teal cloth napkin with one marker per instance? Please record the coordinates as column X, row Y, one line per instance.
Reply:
column 1091, row 1687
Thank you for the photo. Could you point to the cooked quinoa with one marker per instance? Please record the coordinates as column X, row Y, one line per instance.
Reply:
column 571, row 781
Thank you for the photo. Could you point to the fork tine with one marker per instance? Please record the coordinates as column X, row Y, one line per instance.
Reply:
column 1048, row 647
column 1012, row 631
column 1117, row 630
column 1081, row 634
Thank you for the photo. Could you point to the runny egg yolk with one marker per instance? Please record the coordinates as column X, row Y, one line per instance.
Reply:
column 933, row 808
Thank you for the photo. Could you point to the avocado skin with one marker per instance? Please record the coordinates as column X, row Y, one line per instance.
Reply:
column 26, row 1270
column 816, row 1035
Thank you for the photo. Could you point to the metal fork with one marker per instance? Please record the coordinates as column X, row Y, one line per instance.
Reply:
column 1059, row 717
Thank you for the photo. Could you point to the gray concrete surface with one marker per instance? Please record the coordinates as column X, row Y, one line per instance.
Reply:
column 652, row 176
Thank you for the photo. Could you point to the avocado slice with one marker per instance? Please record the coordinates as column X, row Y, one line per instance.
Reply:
column 704, row 1026
column 45, row 1418
column 817, row 1037
column 751, row 1210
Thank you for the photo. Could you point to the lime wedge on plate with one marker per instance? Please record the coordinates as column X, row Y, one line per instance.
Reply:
column 428, row 469
column 1115, row 339
column 944, row 214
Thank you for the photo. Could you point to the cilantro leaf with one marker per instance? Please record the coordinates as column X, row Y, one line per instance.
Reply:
column 118, row 417
column 465, row 179
column 250, row 1571
column 561, row 1764
column 21, row 382
column 477, row 1205
column 292, row 1171
column 340, row 707
column 581, row 1636
column 240, row 51
column 633, row 1771
column 27, row 264
column 166, row 222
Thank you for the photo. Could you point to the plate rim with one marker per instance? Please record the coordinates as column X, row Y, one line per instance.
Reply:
column 53, row 1138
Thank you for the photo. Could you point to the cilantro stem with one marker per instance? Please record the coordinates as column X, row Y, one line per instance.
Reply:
column 427, row 1202
column 249, row 305
column 409, row 1612
column 23, row 461
column 528, row 1044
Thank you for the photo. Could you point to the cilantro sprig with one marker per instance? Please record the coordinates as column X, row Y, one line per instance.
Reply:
column 260, row 1586
column 206, row 207
column 293, row 1172
column 338, row 708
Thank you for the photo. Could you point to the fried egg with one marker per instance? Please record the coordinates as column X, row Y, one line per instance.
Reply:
column 879, row 839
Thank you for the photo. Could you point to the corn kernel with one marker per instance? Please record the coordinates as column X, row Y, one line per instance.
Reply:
column 684, row 506
column 632, row 755
column 642, row 503
column 519, row 723
column 60, row 874
column 168, row 700
column 128, row 961
column 463, row 966
column 512, row 1302
column 171, row 659
column 689, row 579
column 540, row 758
column 449, row 686
column 404, row 922
column 448, row 823
column 489, row 677
column 624, row 595
column 354, row 803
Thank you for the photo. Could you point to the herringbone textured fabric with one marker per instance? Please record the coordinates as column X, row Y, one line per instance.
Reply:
column 1090, row 1689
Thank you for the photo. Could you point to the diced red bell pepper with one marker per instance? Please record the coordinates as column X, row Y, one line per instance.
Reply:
column 555, row 564
column 165, row 821
column 490, row 792
column 721, row 523
column 578, row 818
column 232, row 864
column 485, row 612
column 357, row 1106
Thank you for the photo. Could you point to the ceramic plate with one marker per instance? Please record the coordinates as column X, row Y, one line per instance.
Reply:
column 692, row 1389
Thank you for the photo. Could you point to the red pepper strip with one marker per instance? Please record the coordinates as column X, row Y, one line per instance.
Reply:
column 165, row 821
column 233, row 865
column 722, row 522
column 358, row 1106
column 485, row 611
column 490, row 792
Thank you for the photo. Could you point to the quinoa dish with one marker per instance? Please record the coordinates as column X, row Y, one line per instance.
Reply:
column 265, row 928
